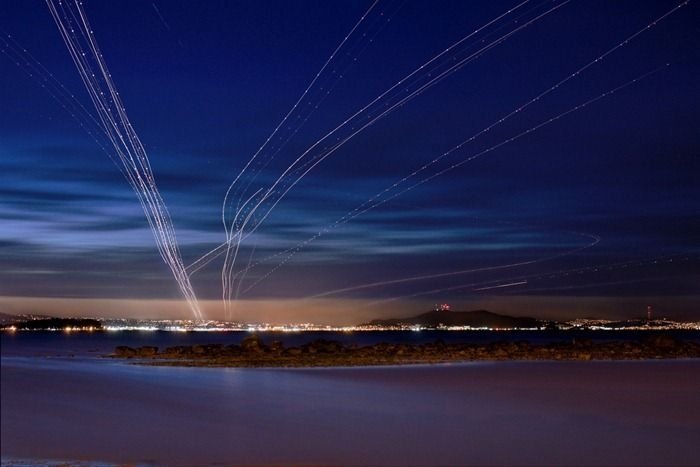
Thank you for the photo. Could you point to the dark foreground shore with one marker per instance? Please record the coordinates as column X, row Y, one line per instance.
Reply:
column 253, row 352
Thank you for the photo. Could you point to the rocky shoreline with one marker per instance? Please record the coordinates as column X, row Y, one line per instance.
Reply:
column 253, row 353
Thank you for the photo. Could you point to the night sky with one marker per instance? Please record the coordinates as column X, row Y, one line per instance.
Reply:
column 592, row 214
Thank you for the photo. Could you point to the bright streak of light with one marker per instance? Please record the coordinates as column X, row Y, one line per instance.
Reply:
column 253, row 212
column 358, row 122
column 81, row 43
column 627, row 265
column 376, row 201
column 22, row 58
column 371, row 285
column 512, row 284
column 492, row 148
column 230, row 235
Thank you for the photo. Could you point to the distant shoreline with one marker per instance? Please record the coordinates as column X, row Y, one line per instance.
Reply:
column 440, row 319
column 254, row 353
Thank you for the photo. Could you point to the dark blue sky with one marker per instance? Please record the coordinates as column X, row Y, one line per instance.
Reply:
column 205, row 83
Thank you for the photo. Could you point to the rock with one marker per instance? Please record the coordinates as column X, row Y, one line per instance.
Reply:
column 178, row 350
column 146, row 351
column 661, row 341
column 253, row 343
column 233, row 349
column 253, row 353
column 124, row 351
column 213, row 349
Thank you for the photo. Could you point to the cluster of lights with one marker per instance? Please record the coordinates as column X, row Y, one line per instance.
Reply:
column 609, row 325
column 64, row 329
column 216, row 326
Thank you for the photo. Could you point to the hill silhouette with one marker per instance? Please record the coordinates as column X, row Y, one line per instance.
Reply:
column 475, row 319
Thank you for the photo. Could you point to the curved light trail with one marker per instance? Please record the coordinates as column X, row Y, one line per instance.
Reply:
column 72, row 23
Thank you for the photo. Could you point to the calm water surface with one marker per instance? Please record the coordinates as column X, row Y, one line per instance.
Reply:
column 38, row 343
column 559, row 413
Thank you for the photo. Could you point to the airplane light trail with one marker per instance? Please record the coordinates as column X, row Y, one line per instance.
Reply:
column 529, row 278
column 468, row 159
column 492, row 148
column 400, row 96
column 596, row 239
column 511, row 284
column 298, row 170
column 78, row 36
column 376, row 201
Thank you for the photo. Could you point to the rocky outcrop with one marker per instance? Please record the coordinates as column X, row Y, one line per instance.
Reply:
column 123, row 351
column 661, row 341
column 253, row 344
column 129, row 352
column 252, row 352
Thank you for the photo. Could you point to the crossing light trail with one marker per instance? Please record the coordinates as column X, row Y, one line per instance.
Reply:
column 252, row 219
column 288, row 115
column 92, row 118
column 363, row 208
column 468, row 159
column 298, row 170
column 236, row 232
column 77, row 34
column 594, row 241
column 248, row 204
column 527, row 279
column 346, row 59
column 492, row 148
column 367, row 36
column 397, row 90
column 236, row 236
column 376, row 200
column 518, row 136
column 368, row 205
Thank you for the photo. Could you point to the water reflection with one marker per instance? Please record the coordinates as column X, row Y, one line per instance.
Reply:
column 518, row 412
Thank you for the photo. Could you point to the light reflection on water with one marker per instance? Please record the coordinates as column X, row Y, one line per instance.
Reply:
column 100, row 343
column 481, row 413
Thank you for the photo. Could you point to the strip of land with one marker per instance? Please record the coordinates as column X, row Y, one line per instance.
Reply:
column 253, row 352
